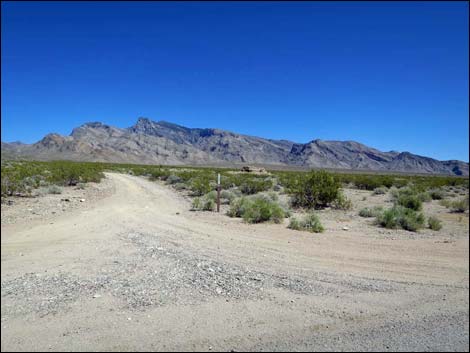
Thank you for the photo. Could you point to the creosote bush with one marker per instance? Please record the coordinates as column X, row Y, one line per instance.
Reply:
column 408, row 197
column 256, row 209
column 434, row 223
column 382, row 190
column 342, row 202
column 203, row 204
column 54, row 189
column 371, row 212
column 317, row 189
column 309, row 222
column 401, row 217
column 173, row 179
column 436, row 194
column 458, row 206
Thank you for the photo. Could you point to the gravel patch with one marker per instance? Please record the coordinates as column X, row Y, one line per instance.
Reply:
column 160, row 273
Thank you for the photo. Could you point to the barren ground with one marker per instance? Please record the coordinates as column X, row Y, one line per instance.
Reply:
column 131, row 268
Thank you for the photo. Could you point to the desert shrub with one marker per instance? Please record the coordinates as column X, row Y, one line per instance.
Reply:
column 173, row 179
column 401, row 217
column 424, row 196
column 316, row 190
column 180, row 186
column 238, row 206
column 294, row 224
column 262, row 210
column 255, row 185
column 226, row 197
column 159, row 173
column 309, row 222
column 196, row 204
column 269, row 195
column 21, row 177
column 410, row 201
column 211, row 195
column 459, row 206
column 54, row 189
column 436, row 194
column 371, row 212
column 256, row 209
column 434, row 223
column 408, row 198
column 382, row 190
column 342, row 202
column 199, row 186
column 202, row 204
column 208, row 205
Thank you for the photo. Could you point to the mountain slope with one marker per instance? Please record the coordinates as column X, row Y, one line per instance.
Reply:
column 166, row 143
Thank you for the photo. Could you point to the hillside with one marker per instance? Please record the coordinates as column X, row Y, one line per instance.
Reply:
column 151, row 142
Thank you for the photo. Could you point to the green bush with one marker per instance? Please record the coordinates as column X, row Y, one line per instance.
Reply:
column 173, row 179
column 342, row 202
column 238, row 206
column 434, row 223
column 226, row 197
column 255, row 185
column 203, row 204
column 436, row 194
column 21, row 177
column 208, row 205
column 410, row 201
column 199, row 186
column 262, row 210
column 371, row 212
column 256, row 209
column 159, row 173
column 316, row 190
column 382, row 190
column 401, row 217
column 196, row 204
column 458, row 206
column 54, row 189
column 310, row 222
column 180, row 186
column 408, row 197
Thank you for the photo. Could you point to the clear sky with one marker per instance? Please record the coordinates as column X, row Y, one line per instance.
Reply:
column 392, row 75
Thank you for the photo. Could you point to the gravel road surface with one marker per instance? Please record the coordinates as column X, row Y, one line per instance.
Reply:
column 136, row 270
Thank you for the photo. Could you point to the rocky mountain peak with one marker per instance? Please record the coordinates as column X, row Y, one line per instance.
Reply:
column 163, row 142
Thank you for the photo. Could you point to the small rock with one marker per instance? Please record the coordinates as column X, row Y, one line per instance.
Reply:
column 345, row 228
column 97, row 296
column 65, row 200
column 82, row 200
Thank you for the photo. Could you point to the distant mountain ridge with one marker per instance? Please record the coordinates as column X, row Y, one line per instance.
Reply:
column 162, row 142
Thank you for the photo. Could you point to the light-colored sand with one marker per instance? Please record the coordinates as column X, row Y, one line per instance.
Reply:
column 137, row 270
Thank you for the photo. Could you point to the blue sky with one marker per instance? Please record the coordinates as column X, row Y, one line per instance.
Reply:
column 390, row 75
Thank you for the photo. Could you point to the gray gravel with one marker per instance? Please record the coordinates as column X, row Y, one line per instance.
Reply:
column 158, row 273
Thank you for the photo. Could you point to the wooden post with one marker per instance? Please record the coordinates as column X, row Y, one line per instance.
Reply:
column 218, row 192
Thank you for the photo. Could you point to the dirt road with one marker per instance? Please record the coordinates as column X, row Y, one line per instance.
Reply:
column 138, row 271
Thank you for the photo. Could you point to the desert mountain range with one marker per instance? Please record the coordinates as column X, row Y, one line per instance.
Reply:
column 152, row 142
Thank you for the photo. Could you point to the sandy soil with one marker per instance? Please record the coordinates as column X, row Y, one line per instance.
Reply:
column 136, row 270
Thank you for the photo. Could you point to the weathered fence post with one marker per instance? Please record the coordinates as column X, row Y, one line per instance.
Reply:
column 218, row 192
